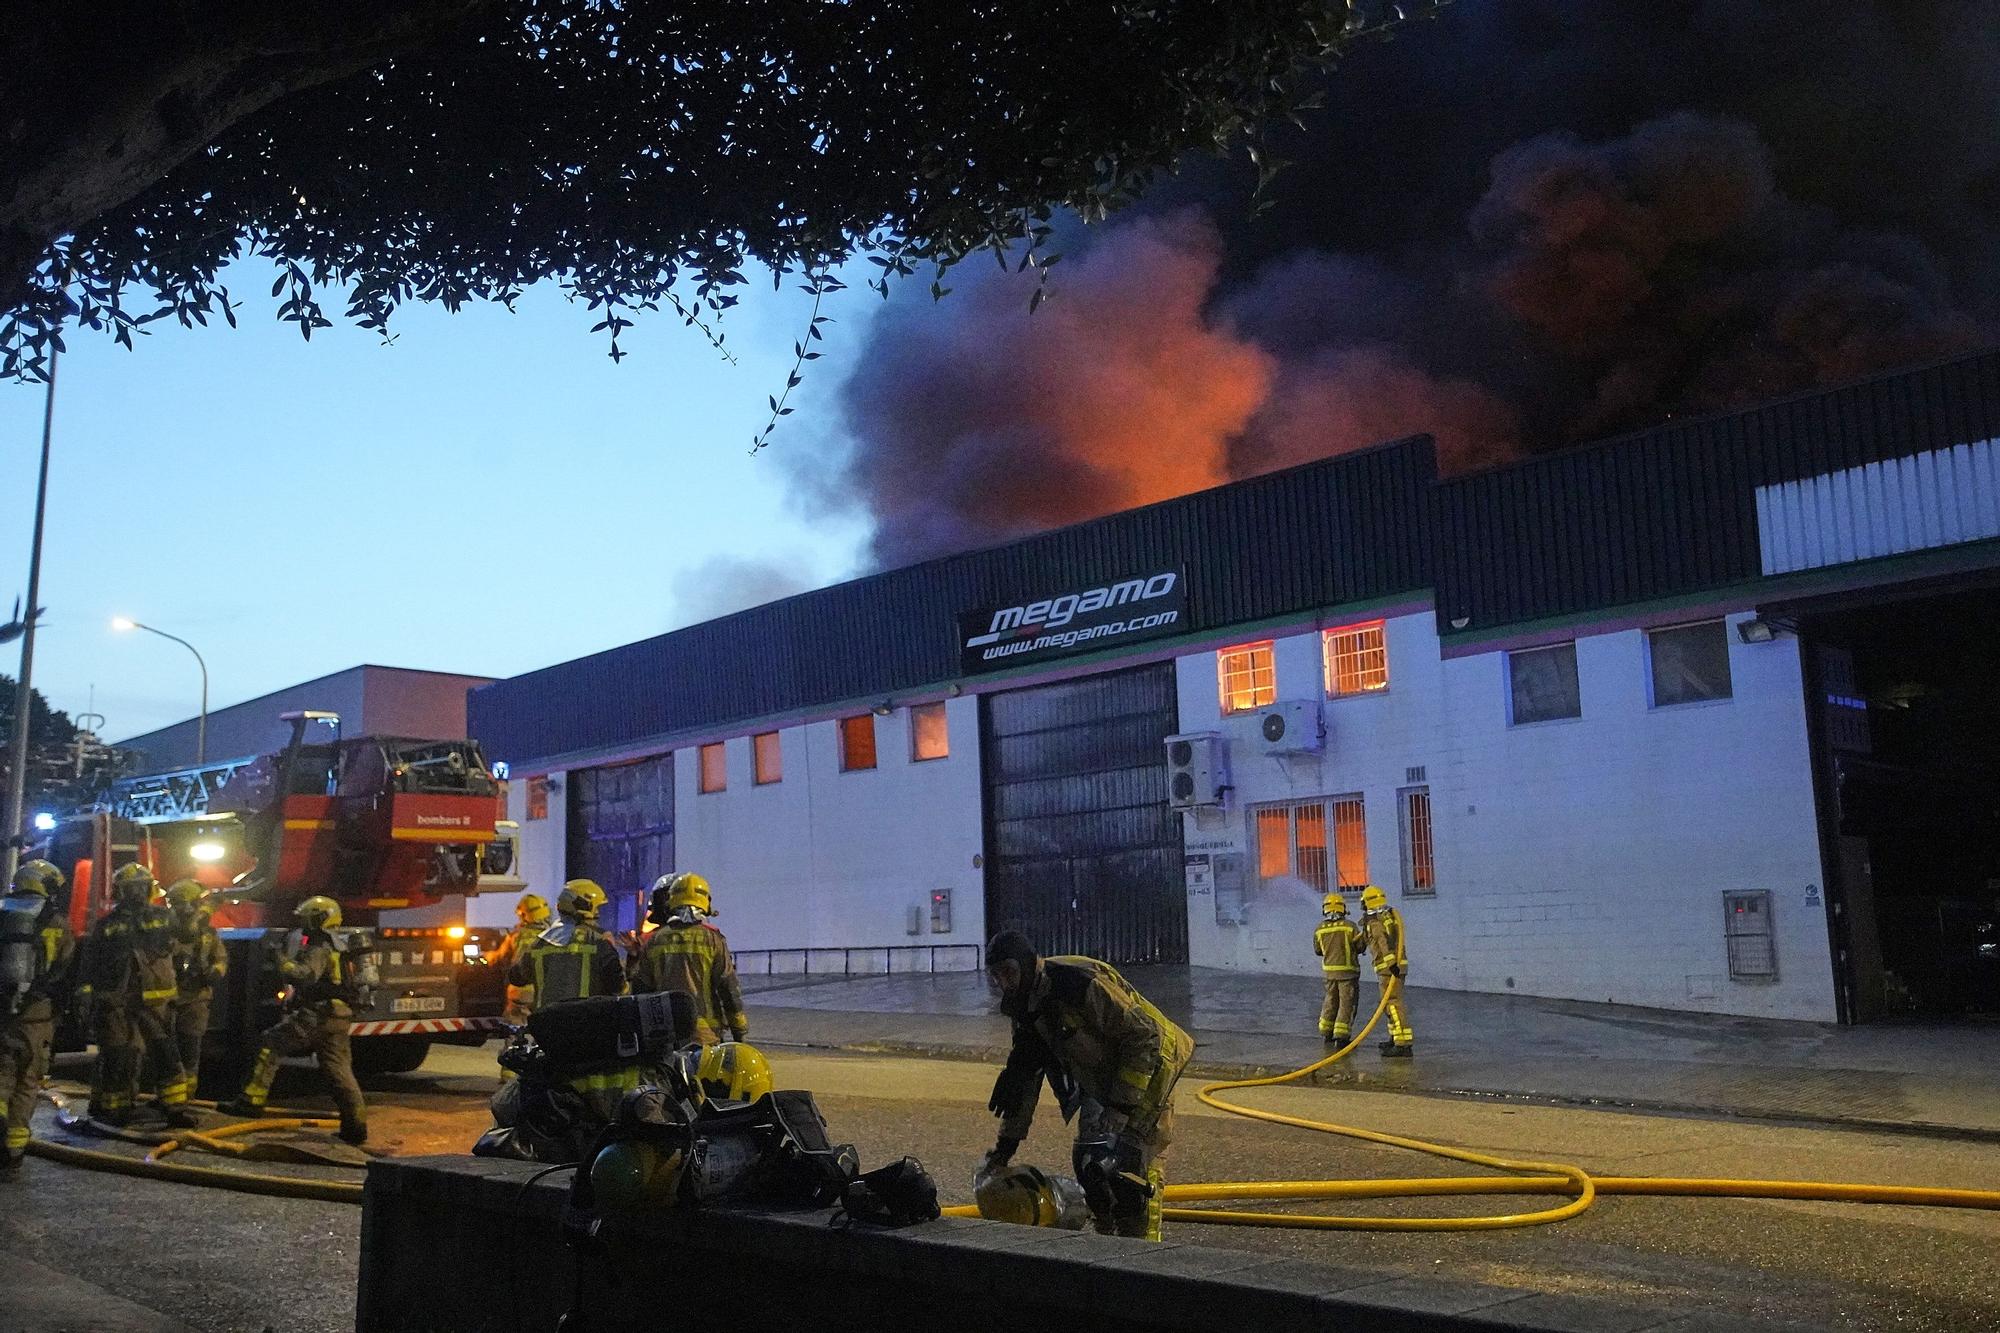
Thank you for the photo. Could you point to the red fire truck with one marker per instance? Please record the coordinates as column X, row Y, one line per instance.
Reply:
column 388, row 826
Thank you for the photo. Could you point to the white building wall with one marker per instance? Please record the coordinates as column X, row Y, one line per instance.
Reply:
column 544, row 851
column 832, row 860
column 1582, row 859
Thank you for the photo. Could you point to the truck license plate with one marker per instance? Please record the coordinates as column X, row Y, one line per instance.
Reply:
column 417, row 1004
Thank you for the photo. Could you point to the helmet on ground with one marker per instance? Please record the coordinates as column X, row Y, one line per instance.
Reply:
column 132, row 885
column 532, row 909
column 1333, row 905
column 691, row 890
column 185, row 893
column 318, row 912
column 733, row 1071
column 581, row 900
column 39, row 877
column 1373, row 899
column 1028, row 1196
column 632, row 1174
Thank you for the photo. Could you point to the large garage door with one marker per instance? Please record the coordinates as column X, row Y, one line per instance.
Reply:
column 621, row 831
column 1082, row 852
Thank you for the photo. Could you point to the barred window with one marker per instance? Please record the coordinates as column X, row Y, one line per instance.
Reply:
column 1419, row 859
column 1357, row 659
column 1292, row 842
column 1248, row 677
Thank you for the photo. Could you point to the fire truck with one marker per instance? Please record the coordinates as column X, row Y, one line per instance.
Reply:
column 393, row 828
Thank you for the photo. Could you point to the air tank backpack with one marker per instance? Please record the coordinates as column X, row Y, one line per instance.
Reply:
column 20, row 948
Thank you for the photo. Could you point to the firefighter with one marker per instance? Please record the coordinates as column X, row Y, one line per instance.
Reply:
column 1384, row 926
column 36, row 953
column 200, row 962
column 324, row 991
column 132, row 990
column 532, row 915
column 1112, row 1060
column 688, row 954
column 572, row 959
column 1338, row 943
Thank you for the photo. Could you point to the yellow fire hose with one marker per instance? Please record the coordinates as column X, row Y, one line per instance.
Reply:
column 1524, row 1178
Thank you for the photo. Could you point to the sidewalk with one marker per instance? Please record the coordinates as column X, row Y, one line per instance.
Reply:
column 1931, row 1079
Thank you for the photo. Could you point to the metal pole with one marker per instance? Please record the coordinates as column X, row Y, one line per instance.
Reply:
column 24, row 689
column 201, row 724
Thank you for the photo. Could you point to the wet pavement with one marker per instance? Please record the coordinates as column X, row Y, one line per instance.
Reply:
column 1922, row 1078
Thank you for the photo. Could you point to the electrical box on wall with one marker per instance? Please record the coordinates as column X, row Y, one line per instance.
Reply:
column 1197, row 770
column 940, row 911
column 1747, row 931
column 1292, row 726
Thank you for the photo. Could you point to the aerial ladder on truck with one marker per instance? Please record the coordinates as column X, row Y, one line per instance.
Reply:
column 393, row 828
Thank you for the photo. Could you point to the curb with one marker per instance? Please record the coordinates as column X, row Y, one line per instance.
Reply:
column 1362, row 1082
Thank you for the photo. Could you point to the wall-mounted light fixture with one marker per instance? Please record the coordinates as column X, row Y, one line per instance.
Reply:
column 1756, row 631
column 884, row 708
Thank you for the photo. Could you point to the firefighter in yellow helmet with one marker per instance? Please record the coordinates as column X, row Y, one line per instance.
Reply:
column 1384, row 927
column 132, row 989
column 573, row 959
column 531, row 914
column 688, row 954
column 325, row 977
column 200, row 963
column 1112, row 1060
column 36, row 955
column 1338, row 943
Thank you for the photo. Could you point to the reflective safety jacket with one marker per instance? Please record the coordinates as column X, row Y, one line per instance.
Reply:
column 51, row 959
column 1087, row 1025
column 200, row 961
column 569, row 961
column 1385, row 940
column 693, row 956
column 132, row 957
column 1338, row 944
column 320, row 977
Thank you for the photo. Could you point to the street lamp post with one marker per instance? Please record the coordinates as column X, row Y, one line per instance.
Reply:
column 24, row 691
column 201, row 726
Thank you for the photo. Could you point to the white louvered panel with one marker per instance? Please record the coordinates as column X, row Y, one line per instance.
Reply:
column 1917, row 502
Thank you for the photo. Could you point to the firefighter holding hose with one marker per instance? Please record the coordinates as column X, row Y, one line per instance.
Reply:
column 1112, row 1060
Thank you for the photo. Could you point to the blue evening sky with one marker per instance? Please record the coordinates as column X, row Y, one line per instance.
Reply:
column 488, row 494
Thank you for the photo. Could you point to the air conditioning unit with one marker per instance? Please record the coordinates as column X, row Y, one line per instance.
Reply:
column 1197, row 770
column 1291, row 726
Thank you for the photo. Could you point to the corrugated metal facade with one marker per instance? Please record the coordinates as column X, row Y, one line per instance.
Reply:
column 1937, row 498
column 1342, row 530
column 1674, row 510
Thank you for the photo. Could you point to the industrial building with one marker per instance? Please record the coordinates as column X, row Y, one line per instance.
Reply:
column 1697, row 718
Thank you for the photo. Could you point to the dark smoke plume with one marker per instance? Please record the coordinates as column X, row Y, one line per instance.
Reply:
column 1527, row 224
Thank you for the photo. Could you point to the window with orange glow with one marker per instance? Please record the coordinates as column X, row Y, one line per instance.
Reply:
column 767, row 758
column 1274, row 843
column 857, row 743
column 1357, row 659
column 714, row 767
column 1248, row 676
column 1350, row 841
column 1419, row 861
column 930, row 735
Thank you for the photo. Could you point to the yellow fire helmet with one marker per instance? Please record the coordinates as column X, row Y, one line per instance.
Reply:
column 1373, row 899
column 318, row 912
column 630, row 1175
column 185, row 893
column 1333, row 905
column 581, row 900
column 39, row 877
column 132, row 885
column 532, row 909
column 1028, row 1196
column 733, row 1071
column 690, row 890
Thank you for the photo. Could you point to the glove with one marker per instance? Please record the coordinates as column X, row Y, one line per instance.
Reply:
column 996, row 1160
column 1400, row 971
column 1011, row 1088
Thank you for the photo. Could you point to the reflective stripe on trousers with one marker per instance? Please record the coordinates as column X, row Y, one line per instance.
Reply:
column 1399, row 1018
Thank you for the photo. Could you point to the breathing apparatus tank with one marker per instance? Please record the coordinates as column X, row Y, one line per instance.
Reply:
column 20, row 947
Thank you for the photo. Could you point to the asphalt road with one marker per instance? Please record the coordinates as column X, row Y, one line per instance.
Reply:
column 219, row 1261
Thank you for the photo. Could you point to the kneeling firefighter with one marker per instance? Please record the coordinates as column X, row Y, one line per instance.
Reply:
column 1112, row 1060
column 329, row 975
column 688, row 954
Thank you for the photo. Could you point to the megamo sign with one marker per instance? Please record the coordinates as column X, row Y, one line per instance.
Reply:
column 1086, row 620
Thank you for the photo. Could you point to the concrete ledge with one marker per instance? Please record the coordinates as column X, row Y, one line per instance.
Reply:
column 473, row 1245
